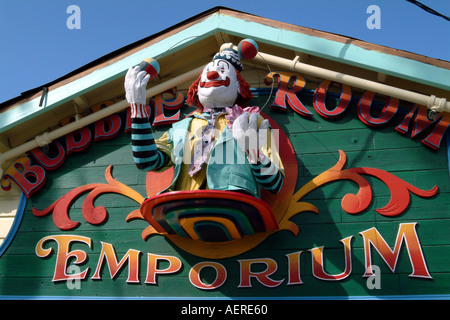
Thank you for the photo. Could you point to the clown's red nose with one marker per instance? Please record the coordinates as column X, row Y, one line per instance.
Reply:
column 212, row 75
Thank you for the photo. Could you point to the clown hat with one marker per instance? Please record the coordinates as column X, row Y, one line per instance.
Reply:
column 247, row 49
column 230, row 54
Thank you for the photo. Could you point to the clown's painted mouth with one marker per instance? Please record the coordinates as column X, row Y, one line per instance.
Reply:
column 215, row 83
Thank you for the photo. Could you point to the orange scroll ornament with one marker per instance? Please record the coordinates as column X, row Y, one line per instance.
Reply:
column 92, row 214
column 357, row 203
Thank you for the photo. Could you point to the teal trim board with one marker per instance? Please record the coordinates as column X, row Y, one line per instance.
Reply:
column 15, row 226
column 337, row 51
column 101, row 76
column 341, row 52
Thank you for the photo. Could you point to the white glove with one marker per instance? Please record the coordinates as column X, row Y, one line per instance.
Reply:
column 249, row 137
column 135, row 87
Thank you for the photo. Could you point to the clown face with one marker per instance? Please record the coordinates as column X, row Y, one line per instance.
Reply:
column 218, row 86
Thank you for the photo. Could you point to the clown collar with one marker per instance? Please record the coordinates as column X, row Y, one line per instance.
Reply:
column 231, row 113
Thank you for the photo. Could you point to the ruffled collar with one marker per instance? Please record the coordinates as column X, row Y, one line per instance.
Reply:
column 231, row 113
column 236, row 111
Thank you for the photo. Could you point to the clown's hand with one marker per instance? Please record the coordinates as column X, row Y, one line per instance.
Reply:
column 249, row 137
column 135, row 87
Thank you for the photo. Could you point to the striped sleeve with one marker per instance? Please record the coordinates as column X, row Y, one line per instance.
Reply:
column 145, row 154
column 268, row 175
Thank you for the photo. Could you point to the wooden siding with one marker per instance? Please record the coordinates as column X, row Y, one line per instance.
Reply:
column 316, row 142
column 9, row 201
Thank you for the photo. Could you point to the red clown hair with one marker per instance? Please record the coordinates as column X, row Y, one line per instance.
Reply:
column 242, row 100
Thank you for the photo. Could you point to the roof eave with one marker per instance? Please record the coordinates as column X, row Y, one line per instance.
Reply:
column 334, row 47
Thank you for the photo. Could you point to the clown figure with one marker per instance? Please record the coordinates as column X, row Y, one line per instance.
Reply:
column 224, row 145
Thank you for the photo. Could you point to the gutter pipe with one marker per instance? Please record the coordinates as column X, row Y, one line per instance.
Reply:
column 436, row 105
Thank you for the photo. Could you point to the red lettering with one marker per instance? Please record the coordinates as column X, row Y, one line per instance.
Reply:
column 173, row 103
column 46, row 160
column 320, row 97
column 107, row 128
column 108, row 253
column 294, row 268
column 286, row 94
column 63, row 256
column 365, row 109
column 78, row 140
column 262, row 277
column 318, row 264
column 29, row 178
column 221, row 275
column 417, row 121
column 406, row 232
column 153, row 270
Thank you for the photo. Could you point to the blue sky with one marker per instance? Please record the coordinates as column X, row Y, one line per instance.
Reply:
column 36, row 47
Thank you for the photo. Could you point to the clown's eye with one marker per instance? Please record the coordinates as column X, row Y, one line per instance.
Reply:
column 223, row 65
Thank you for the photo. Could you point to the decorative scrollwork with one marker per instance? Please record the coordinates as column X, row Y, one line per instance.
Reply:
column 351, row 203
column 356, row 203
column 92, row 214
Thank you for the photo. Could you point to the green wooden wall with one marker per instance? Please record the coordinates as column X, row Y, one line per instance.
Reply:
column 316, row 142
